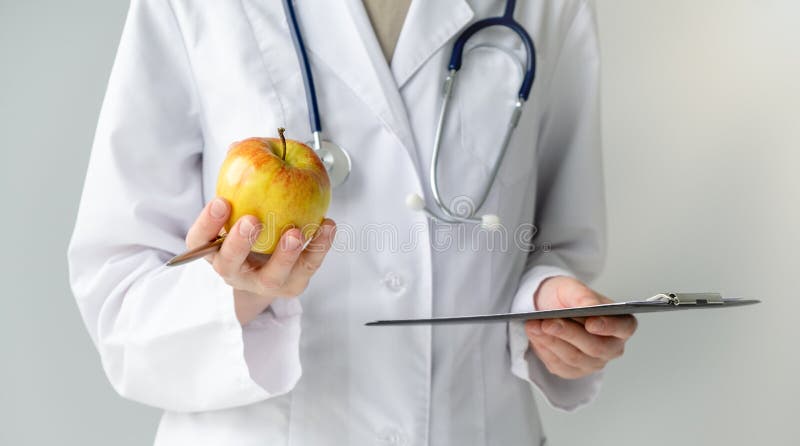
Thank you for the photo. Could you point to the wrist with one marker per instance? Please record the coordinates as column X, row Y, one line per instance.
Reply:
column 249, row 305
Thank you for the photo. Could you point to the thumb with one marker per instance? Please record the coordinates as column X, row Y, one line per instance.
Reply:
column 208, row 224
column 584, row 297
column 567, row 292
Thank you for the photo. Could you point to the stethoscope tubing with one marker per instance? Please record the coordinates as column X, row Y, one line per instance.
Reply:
column 456, row 59
column 507, row 21
column 446, row 214
column 308, row 78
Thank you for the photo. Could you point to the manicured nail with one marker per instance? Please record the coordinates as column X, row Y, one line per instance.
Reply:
column 245, row 227
column 292, row 243
column 554, row 327
column 218, row 208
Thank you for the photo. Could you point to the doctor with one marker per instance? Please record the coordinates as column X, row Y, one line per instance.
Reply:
column 277, row 353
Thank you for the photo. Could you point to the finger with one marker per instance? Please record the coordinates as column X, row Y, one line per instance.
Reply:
column 569, row 354
column 621, row 327
column 603, row 347
column 275, row 273
column 209, row 223
column 230, row 260
column 256, row 260
column 311, row 258
column 533, row 328
column 554, row 364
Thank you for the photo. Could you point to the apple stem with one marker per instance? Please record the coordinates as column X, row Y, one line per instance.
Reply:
column 283, row 141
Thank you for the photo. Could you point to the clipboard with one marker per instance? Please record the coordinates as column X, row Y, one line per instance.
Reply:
column 659, row 303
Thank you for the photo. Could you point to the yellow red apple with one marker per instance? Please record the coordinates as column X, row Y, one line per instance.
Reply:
column 281, row 181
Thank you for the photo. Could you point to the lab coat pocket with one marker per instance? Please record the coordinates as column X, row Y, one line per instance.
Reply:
column 484, row 99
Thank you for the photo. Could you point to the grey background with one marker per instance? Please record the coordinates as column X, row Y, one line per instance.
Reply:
column 702, row 146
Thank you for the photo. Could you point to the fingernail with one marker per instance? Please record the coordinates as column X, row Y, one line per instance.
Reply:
column 554, row 327
column 292, row 243
column 598, row 325
column 218, row 208
column 535, row 328
column 326, row 230
column 245, row 227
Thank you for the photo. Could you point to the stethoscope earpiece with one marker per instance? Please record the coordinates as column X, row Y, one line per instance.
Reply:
column 489, row 222
column 415, row 202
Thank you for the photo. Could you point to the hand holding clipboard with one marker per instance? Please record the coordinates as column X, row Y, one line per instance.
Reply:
column 658, row 303
column 579, row 331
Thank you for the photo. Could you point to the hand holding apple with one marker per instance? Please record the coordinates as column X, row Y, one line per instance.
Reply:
column 274, row 196
column 257, row 280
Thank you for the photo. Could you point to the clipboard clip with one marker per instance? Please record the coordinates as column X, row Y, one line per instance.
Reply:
column 688, row 298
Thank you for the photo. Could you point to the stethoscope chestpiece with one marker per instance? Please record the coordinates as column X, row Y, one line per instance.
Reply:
column 336, row 160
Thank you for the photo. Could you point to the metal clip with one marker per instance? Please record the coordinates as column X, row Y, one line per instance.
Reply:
column 688, row 298
column 447, row 87
column 515, row 115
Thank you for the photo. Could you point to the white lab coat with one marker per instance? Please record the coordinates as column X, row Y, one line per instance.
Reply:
column 192, row 77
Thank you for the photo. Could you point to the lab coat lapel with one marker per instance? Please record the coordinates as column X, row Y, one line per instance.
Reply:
column 343, row 39
column 429, row 25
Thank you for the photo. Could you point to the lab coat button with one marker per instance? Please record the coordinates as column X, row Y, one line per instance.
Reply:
column 394, row 282
column 392, row 437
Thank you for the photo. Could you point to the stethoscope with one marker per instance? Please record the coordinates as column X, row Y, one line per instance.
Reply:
column 337, row 160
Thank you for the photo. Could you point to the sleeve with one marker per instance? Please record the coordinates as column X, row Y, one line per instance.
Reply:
column 570, row 206
column 167, row 337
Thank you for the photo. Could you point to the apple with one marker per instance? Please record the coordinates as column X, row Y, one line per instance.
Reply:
column 281, row 181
